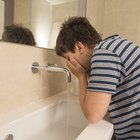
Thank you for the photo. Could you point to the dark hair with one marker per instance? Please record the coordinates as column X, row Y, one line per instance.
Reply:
column 18, row 34
column 73, row 30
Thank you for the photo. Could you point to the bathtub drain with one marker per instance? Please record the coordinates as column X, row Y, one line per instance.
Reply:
column 9, row 137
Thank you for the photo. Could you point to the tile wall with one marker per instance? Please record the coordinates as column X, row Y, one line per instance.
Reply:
column 18, row 85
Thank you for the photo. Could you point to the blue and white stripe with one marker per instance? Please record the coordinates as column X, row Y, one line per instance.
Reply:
column 115, row 69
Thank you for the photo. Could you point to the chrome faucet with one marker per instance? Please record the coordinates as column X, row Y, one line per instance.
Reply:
column 51, row 68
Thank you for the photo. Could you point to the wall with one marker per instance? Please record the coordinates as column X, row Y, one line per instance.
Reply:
column 18, row 85
column 22, row 12
column 58, row 16
column 95, row 13
column 8, row 12
column 41, row 22
column 64, row 10
column 2, row 17
column 122, row 17
column 115, row 17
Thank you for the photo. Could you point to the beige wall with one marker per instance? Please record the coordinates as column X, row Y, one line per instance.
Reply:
column 95, row 13
column 65, row 10
column 116, row 17
column 18, row 85
column 41, row 21
column 122, row 17
column 22, row 12
column 1, row 17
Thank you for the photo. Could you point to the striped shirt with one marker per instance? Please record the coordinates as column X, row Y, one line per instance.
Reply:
column 115, row 69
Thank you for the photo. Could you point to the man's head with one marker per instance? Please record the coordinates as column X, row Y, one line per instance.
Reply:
column 18, row 34
column 76, row 29
column 76, row 39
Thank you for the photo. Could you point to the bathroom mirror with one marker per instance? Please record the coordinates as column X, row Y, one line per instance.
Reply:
column 42, row 17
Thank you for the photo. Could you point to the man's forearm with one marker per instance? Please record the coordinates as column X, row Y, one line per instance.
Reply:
column 83, row 90
column 94, row 104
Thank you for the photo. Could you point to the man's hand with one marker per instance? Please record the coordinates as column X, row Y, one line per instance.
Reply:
column 76, row 68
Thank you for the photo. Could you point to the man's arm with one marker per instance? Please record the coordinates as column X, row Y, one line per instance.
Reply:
column 94, row 104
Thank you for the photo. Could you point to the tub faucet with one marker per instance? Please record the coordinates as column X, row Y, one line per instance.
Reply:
column 51, row 68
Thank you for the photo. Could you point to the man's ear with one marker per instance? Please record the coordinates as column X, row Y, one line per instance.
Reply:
column 79, row 47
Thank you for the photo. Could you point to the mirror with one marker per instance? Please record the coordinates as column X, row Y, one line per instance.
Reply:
column 42, row 17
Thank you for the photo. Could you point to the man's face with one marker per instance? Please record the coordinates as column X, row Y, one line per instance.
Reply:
column 82, row 55
column 70, row 55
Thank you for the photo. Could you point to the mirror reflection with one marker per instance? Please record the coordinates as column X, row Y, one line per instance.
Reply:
column 42, row 17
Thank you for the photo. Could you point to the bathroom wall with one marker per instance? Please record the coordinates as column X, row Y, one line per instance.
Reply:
column 95, row 13
column 41, row 21
column 115, row 17
column 2, row 17
column 59, row 16
column 58, row 10
column 22, row 12
column 18, row 85
column 122, row 17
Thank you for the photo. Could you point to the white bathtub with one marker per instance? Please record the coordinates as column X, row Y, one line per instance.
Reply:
column 55, row 118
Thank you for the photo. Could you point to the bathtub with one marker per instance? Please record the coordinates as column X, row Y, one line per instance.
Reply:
column 55, row 118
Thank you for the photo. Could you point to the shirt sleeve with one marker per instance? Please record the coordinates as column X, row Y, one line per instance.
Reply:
column 105, row 72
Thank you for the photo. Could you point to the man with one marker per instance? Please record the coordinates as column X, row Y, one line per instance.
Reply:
column 109, row 75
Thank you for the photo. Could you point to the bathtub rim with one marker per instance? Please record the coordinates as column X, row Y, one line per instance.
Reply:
column 103, row 130
column 16, row 116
